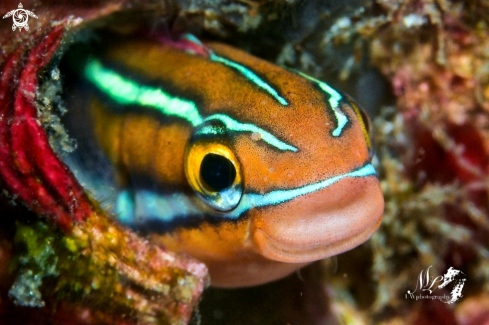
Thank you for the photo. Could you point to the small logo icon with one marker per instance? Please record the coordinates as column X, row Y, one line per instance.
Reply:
column 426, row 285
column 20, row 16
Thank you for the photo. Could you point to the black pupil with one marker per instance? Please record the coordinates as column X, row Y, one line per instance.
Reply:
column 217, row 172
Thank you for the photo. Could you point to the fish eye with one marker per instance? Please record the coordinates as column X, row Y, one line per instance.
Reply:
column 217, row 172
column 365, row 119
column 365, row 125
column 214, row 173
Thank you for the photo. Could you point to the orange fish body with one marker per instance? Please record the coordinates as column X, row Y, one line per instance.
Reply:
column 254, row 169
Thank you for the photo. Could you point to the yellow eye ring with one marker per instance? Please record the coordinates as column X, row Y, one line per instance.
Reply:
column 364, row 122
column 214, row 173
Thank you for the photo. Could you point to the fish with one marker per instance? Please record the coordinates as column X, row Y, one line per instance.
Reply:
column 255, row 169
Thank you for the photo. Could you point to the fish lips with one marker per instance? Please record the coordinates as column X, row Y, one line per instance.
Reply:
column 321, row 224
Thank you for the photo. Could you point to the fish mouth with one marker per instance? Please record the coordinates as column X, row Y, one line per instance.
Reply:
column 321, row 224
column 278, row 250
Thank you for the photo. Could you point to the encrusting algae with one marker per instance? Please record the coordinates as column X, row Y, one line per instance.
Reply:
column 101, row 265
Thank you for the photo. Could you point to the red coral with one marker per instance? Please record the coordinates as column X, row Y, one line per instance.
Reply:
column 455, row 153
column 461, row 155
column 28, row 166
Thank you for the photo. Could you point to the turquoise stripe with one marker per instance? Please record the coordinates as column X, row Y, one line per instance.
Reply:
column 252, row 200
column 193, row 39
column 334, row 102
column 127, row 92
column 169, row 207
column 250, row 75
column 124, row 208
column 134, row 209
column 234, row 125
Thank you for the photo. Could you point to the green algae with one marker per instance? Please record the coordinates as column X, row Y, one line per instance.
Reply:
column 47, row 254
column 38, row 262
column 107, row 269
